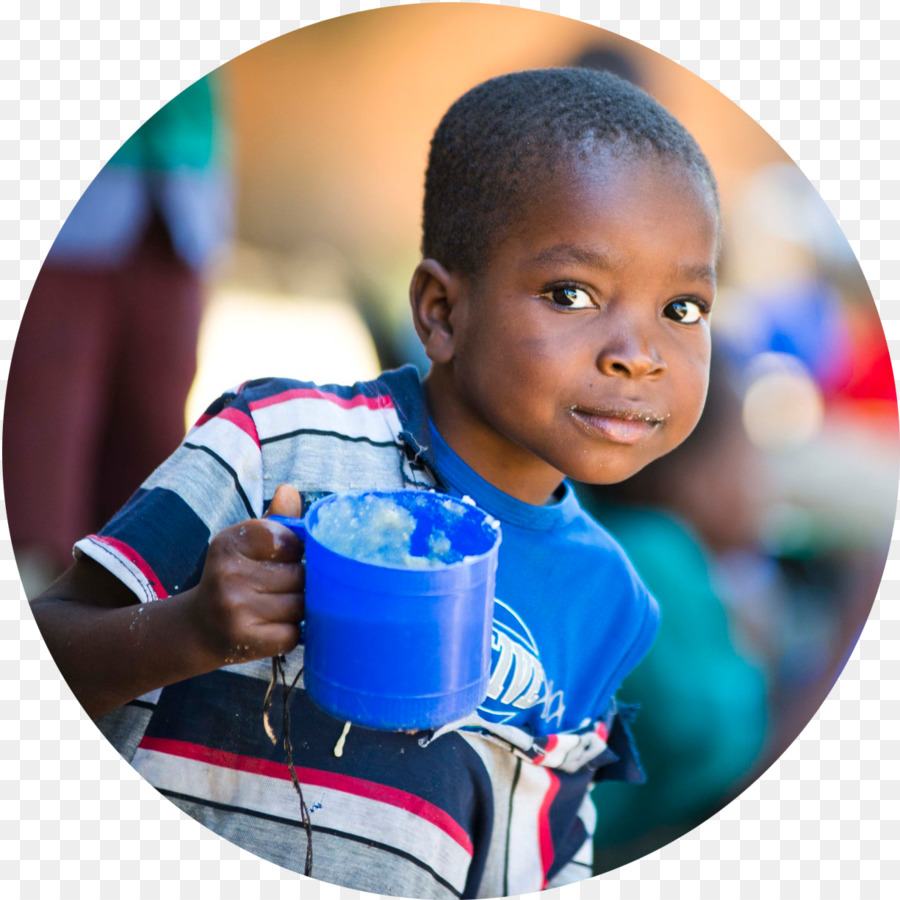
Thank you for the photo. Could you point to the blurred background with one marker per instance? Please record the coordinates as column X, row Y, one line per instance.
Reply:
column 266, row 222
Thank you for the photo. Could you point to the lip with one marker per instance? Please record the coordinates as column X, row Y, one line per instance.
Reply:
column 618, row 424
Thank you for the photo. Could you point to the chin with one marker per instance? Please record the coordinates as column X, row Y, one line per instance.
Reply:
column 608, row 474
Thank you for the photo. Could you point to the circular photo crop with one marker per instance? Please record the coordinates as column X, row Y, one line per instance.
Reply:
column 506, row 257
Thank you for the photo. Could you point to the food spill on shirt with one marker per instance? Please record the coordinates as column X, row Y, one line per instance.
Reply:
column 339, row 746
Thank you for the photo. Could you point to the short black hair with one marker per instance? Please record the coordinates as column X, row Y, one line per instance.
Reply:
column 506, row 135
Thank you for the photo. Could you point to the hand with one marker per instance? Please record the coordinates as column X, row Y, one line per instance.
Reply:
column 249, row 602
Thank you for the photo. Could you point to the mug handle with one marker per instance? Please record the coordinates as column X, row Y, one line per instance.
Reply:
column 298, row 526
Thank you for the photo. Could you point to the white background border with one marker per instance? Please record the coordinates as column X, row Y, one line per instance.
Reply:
column 79, row 77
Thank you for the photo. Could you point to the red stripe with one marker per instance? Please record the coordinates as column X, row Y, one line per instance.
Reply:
column 548, row 748
column 134, row 557
column 544, row 837
column 236, row 417
column 380, row 402
column 348, row 784
column 242, row 420
column 602, row 732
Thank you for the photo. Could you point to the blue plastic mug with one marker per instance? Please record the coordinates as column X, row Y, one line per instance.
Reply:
column 396, row 648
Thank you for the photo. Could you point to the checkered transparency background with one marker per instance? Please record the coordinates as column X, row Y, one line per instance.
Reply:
column 823, row 78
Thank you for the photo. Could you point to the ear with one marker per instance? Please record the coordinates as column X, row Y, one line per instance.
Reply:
column 433, row 294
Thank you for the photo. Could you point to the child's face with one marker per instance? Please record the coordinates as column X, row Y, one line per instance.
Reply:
column 583, row 350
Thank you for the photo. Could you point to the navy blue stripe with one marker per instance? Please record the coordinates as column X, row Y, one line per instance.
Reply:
column 160, row 526
column 262, row 388
column 567, row 831
column 223, row 710
column 219, row 404
column 331, row 434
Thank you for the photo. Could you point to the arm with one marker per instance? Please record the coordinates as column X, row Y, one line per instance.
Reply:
column 247, row 605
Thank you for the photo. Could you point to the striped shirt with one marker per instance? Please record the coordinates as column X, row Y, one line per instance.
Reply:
column 495, row 804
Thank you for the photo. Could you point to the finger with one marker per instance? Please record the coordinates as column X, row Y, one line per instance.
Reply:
column 265, row 541
column 269, row 639
column 279, row 577
column 286, row 502
column 279, row 609
column 281, row 639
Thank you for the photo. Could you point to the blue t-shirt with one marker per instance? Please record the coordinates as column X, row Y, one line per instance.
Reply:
column 493, row 805
column 569, row 623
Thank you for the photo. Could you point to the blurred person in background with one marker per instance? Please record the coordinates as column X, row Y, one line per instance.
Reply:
column 820, row 403
column 792, row 287
column 607, row 58
column 703, row 716
column 106, row 351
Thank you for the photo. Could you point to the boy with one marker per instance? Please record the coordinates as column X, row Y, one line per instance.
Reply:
column 570, row 237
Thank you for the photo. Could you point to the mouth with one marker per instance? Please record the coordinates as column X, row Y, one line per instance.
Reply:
column 618, row 424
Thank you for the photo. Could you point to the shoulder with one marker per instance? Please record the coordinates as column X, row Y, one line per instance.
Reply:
column 263, row 393
column 596, row 541
column 271, row 408
column 599, row 554
column 321, row 438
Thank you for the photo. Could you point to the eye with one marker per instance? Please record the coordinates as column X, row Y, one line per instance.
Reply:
column 568, row 296
column 685, row 310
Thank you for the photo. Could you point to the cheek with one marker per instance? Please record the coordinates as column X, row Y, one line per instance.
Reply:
column 510, row 354
column 690, row 390
column 518, row 379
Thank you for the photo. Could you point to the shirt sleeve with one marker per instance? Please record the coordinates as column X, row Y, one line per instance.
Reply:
column 156, row 544
column 620, row 761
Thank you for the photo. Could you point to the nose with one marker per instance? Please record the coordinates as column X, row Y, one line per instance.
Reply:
column 630, row 356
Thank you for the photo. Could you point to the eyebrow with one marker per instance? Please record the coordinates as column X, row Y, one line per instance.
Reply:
column 574, row 253
column 598, row 260
column 696, row 272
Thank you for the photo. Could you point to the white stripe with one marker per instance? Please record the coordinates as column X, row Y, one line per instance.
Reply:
column 328, row 464
column 151, row 696
column 526, row 872
column 232, row 443
column 261, row 669
column 119, row 566
column 380, row 425
column 574, row 751
column 208, row 488
column 329, row 808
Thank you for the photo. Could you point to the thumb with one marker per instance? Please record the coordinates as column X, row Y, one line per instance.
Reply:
column 286, row 502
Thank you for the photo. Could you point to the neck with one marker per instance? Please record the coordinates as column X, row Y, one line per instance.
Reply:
column 498, row 460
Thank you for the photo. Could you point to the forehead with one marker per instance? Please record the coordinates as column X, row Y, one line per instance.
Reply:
column 616, row 207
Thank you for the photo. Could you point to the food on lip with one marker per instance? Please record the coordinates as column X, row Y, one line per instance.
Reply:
column 623, row 413
column 616, row 427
